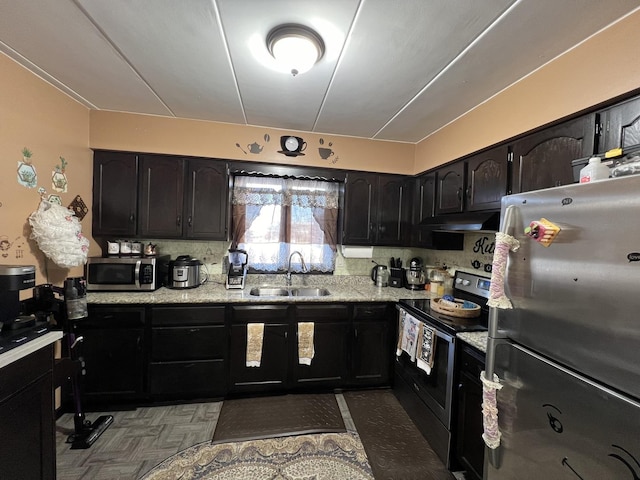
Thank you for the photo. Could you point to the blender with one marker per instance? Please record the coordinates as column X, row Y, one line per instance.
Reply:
column 415, row 275
column 237, row 274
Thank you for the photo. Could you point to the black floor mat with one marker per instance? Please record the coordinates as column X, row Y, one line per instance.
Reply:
column 395, row 447
column 278, row 416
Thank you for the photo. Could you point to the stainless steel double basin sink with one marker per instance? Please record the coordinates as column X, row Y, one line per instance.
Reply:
column 289, row 292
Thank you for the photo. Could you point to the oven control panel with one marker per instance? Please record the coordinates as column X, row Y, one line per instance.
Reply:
column 474, row 284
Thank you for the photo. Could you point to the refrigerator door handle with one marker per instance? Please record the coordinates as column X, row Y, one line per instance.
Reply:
column 490, row 387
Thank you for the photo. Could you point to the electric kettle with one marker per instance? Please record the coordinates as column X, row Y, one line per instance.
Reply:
column 380, row 275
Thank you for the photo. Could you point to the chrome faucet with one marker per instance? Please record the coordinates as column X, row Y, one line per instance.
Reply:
column 304, row 266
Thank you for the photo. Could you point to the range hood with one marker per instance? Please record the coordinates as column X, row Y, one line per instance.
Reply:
column 461, row 222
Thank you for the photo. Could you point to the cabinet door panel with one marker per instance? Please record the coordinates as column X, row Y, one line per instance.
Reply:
column 372, row 354
column 114, row 351
column 359, row 201
column 115, row 187
column 487, row 179
column 114, row 361
column 329, row 364
column 543, row 159
column 161, row 195
column 451, row 182
column 207, row 192
column 425, row 203
column 272, row 373
column 185, row 379
column 390, row 210
column 621, row 126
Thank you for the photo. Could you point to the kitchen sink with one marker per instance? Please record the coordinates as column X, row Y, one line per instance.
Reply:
column 269, row 292
column 286, row 292
column 310, row 292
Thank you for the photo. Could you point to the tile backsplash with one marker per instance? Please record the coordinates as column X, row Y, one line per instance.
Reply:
column 476, row 256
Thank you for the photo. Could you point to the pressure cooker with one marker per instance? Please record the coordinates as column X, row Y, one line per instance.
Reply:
column 184, row 272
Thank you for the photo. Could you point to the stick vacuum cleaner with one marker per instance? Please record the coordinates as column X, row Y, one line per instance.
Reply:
column 86, row 432
column 71, row 367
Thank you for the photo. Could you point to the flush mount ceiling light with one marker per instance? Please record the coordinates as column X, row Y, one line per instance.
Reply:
column 295, row 47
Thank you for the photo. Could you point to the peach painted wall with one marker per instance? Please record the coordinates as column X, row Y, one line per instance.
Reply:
column 152, row 134
column 35, row 115
column 599, row 69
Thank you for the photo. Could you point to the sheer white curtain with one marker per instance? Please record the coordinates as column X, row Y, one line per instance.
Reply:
column 273, row 217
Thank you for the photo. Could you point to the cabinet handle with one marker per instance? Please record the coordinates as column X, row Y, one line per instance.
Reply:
column 459, row 194
column 468, row 192
column 415, row 385
column 132, row 217
column 355, row 332
column 179, row 220
column 189, row 220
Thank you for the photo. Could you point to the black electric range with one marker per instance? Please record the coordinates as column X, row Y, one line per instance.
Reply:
column 12, row 338
column 467, row 286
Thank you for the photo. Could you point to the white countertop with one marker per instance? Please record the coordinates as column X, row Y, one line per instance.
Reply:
column 28, row 348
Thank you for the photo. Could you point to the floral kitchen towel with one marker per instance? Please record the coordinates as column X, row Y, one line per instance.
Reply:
column 426, row 347
column 408, row 334
column 255, row 334
column 305, row 342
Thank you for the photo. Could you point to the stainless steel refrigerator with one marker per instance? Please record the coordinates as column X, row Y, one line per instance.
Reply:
column 567, row 354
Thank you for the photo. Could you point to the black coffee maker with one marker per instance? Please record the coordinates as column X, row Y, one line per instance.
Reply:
column 13, row 279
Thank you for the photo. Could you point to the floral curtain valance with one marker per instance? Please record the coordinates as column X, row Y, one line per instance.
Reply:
column 286, row 192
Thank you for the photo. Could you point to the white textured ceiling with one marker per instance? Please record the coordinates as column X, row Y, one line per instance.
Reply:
column 393, row 69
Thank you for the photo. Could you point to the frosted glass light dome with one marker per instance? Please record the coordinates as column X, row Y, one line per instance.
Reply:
column 295, row 48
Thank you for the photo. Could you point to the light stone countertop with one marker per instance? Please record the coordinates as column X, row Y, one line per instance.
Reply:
column 475, row 339
column 359, row 289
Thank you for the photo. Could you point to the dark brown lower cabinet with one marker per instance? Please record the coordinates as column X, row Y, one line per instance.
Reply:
column 372, row 348
column 114, row 352
column 469, row 443
column 329, row 365
column 188, row 352
column 273, row 372
column 27, row 425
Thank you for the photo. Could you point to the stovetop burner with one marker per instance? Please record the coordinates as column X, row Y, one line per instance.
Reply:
column 468, row 286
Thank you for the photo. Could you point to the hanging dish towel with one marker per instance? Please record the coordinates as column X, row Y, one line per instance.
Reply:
column 255, row 334
column 426, row 348
column 409, row 335
column 306, row 350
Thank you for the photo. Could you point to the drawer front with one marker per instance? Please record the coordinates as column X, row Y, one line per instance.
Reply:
column 128, row 317
column 318, row 313
column 371, row 311
column 197, row 315
column 260, row 313
column 188, row 343
column 188, row 378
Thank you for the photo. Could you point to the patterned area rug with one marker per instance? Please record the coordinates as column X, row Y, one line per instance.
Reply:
column 326, row 456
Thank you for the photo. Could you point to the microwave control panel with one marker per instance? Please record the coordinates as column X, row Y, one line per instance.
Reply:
column 146, row 274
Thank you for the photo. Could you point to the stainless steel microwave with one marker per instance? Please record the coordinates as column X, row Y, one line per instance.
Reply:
column 124, row 274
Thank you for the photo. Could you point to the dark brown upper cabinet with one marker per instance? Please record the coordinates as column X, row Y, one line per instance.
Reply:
column 183, row 197
column 488, row 177
column 375, row 209
column 160, row 196
column 450, row 188
column 424, row 198
column 207, row 187
column 115, row 199
column 619, row 126
column 543, row 159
